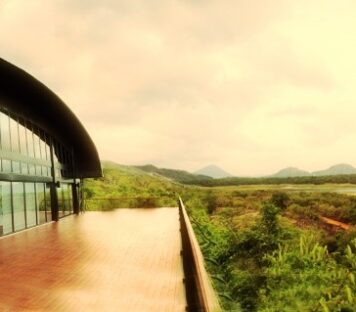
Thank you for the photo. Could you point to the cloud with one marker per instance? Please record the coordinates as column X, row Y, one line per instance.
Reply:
column 251, row 86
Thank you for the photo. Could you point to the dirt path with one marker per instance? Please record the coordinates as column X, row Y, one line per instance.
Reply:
column 342, row 225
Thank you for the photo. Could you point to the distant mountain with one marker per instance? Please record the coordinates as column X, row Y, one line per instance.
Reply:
column 340, row 169
column 213, row 171
column 178, row 175
column 291, row 172
column 336, row 170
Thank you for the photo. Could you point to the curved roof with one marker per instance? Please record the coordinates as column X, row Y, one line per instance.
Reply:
column 25, row 95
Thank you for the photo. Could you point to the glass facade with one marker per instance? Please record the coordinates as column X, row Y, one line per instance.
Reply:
column 6, row 208
column 26, row 174
column 65, row 201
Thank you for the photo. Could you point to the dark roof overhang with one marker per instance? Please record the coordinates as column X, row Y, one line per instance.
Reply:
column 22, row 94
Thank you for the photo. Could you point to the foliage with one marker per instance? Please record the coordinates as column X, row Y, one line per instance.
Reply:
column 307, row 278
column 338, row 179
column 124, row 186
column 280, row 200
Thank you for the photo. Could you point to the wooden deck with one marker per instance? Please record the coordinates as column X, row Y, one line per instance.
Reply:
column 125, row 260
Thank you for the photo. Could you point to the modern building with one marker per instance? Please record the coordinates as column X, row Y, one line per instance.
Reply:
column 45, row 152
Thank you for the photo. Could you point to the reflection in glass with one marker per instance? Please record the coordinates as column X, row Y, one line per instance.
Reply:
column 29, row 136
column 18, row 204
column 61, row 201
column 22, row 136
column 36, row 142
column 16, row 167
column 70, row 200
column 6, row 165
column 23, row 148
column 26, row 150
column 41, row 203
column 14, row 135
column 5, row 206
column 48, row 203
column 65, row 199
column 31, row 169
column 5, row 132
column 30, row 204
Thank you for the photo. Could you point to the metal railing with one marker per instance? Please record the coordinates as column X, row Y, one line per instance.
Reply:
column 199, row 291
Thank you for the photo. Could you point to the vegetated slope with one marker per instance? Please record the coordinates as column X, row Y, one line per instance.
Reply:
column 178, row 175
column 213, row 171
column 290, row 172
column 126, row 186
column 254, row 241
column 336, row 170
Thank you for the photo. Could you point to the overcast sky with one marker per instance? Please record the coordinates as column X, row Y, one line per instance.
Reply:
column 249, row 85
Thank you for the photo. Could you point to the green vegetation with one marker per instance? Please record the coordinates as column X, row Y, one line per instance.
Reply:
column 266, row 247
column 124, row 186
column 350, row 178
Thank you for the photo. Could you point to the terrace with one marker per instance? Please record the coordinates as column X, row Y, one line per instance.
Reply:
column 123, row 260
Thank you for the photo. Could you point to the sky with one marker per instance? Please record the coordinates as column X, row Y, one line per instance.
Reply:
column 252, row 86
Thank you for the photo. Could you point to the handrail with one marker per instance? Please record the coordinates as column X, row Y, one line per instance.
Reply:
column 199, row 291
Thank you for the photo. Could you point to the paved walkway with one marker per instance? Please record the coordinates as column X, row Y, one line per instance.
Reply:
column 124, row 260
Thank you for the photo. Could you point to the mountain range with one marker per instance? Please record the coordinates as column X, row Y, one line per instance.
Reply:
column 339, row 169
column 214, row 172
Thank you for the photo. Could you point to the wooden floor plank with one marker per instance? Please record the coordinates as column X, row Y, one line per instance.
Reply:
column 124, row 260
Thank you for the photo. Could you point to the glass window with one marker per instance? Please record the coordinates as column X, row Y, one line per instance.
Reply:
column 36, row 141
column 70, row 199
column 43, row 149
column 61, row 201
column 31, row 169
column 30, row 144
column 6, row 165
column 16, row 167
column 31, row 216
column 5, row 206
column 41, row 202
column 23, row 143
column 15, row 147
column 65, row 199
column 24, row 168
column 48, row 203
column 38, row 170
column 5, row 131
column 48, row 152
column 23, row 148
column 19, row 205
column 37, row 149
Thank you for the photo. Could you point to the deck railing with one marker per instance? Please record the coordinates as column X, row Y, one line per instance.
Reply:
column 199, row 291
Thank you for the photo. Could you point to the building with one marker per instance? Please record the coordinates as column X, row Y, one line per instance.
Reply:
column 45, row 152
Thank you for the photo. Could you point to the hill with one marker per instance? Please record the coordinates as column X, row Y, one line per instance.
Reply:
column 291, row 172
column 177, row 175
column 126, row 186
column 340, row 169
column 336, row 170
column 213, row 171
